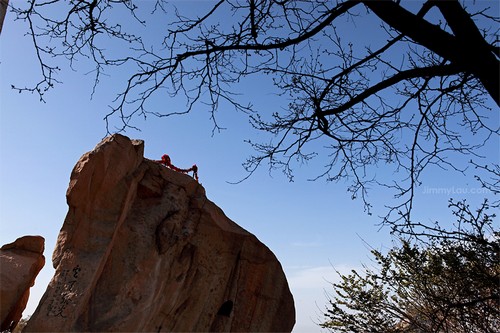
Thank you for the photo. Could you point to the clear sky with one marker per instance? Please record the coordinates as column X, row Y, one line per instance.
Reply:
column 312, row 227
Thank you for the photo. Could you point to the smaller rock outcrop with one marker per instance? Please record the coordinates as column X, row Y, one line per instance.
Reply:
column 20, row 263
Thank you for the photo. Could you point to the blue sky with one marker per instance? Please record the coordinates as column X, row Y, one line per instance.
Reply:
column 312, row 227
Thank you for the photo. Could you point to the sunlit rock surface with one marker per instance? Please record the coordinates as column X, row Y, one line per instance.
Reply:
column 143, row 249
column 20, row 263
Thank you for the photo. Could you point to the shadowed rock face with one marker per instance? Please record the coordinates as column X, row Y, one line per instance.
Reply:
column 143, row 249
column 20, row 263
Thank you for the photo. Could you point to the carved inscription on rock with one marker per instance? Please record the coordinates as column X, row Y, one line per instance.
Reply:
column 64, row 292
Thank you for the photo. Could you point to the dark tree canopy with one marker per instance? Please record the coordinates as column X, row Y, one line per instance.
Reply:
column 417, row 95
column 447, row 285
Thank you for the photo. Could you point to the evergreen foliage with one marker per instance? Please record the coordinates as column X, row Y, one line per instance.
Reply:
column 441, row 281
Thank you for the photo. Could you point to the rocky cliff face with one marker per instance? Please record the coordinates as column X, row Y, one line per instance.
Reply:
column 20, row 263
column 143, row 249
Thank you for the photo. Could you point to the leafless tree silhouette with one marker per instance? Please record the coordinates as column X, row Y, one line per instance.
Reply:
column 402, row 102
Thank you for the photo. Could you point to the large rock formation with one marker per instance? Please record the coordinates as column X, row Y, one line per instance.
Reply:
column 143, row 249
column 20, row 263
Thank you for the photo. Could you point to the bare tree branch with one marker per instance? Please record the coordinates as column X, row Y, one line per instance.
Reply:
column 413, row 98
column 466, row 48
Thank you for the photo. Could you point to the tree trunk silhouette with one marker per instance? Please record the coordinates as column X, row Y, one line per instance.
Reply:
column 4, row 4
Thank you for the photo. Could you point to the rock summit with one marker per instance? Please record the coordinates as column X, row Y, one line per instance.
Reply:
column 143, row 249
